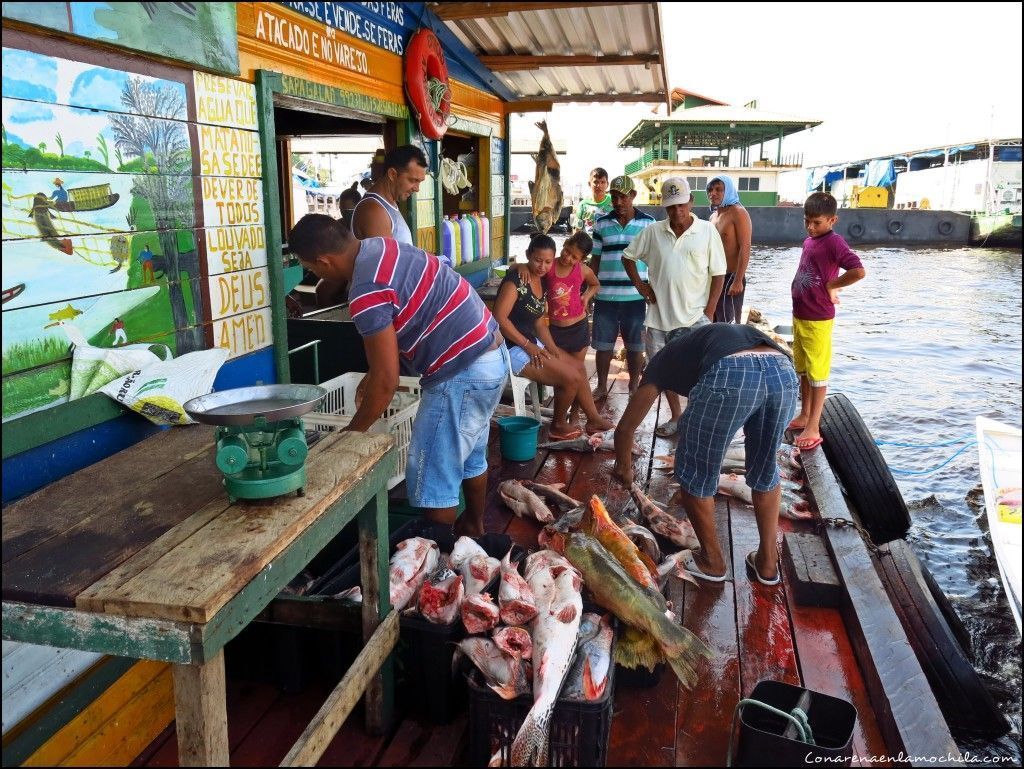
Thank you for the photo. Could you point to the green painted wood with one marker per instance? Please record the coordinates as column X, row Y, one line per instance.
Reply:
column 373, row 531
column 307, row 89
column 508, row 190
column 261, row 590
column 68, row 704
column 267, row 84
column 141, row 639
column 33, row 430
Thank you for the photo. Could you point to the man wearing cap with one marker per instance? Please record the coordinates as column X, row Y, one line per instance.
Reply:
column 618, row 308
column 686, row 268
column 59, row 195
column 733, row 223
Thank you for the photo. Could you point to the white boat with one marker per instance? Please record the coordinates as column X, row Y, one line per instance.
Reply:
column 999, row 457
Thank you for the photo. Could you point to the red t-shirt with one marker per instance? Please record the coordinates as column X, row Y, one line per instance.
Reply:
column 820, row 263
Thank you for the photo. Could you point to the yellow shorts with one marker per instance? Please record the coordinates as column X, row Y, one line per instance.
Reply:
column 812, row 350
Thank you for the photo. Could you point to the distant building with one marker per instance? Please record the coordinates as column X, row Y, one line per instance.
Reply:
column 703, row 137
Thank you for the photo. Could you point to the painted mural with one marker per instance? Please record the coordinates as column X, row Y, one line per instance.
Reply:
column 152, row 28
column 106, row 188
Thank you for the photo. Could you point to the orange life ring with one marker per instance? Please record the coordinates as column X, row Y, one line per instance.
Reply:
column 424, row 62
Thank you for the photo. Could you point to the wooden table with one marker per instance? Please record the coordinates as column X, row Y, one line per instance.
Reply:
column 143, row 556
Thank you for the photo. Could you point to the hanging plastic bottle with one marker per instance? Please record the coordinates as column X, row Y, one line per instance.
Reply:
column 485, row 229
column 456, row 241
column 468, row 247
column 447, row 241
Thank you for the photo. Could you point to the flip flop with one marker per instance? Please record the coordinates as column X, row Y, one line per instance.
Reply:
column 753, row 573
column 794, row 426
column 806, row 444
column 571, row 435
column 666, row 430
column 691, row 566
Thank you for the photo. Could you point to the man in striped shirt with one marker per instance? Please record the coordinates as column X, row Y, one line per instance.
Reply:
column 405, row 303
column 619, row 308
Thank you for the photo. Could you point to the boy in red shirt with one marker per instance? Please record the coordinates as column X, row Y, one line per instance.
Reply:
column 815, row 291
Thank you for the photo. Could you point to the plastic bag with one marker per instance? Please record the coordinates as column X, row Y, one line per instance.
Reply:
column 159, row 391
column 93, row 367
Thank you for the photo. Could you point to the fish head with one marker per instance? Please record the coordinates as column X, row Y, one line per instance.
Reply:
column 544, row 221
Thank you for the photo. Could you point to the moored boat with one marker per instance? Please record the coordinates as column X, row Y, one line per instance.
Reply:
column 999, row 461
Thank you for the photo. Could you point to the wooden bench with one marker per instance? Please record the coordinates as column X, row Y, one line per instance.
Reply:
column 143, row 556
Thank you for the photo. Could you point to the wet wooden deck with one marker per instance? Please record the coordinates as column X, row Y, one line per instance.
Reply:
column 756, row 633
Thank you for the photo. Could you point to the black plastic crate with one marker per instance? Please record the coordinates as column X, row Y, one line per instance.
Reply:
column 426, row 650
column 579, row 731
column 639, row 678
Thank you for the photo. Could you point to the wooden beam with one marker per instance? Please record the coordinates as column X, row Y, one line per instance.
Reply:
column 453, row 11
column 201, row 713
column 328, row 720
column 527, row 106
column 908, row 715
column 524, row 63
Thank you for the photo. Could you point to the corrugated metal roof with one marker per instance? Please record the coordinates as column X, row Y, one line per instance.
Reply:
column 711, row 126
column 566, row 52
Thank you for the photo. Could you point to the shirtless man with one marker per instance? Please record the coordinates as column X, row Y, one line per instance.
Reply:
column 733, row 224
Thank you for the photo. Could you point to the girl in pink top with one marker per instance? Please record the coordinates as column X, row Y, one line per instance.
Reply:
column 568, row 301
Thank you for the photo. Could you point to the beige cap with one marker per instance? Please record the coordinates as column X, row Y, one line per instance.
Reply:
column 674, row 191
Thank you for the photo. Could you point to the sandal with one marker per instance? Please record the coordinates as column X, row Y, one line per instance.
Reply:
column 694, row 570
column 755, row 574
column 666, row 429
column 806, row 444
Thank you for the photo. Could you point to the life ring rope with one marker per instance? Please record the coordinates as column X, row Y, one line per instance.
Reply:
column 426, row 83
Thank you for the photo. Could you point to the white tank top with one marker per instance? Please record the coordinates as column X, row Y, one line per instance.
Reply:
column 399, row 229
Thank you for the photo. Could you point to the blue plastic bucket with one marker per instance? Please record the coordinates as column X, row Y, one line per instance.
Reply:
column 518, row 438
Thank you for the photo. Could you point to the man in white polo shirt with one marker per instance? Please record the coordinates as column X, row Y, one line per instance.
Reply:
column 686, row 271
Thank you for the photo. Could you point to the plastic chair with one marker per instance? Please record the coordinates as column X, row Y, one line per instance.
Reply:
column 520, row 385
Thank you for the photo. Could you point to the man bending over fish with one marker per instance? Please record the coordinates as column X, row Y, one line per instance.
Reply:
column 734, row 376
column 405, row 303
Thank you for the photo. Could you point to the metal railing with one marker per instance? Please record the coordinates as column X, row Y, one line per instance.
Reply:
column 648, row 158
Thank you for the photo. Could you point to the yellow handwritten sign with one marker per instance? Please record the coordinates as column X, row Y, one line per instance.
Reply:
column 229, row 249
column 241, row 334
column 229, row 152
column 233, row 293
column 310, row 40
column 226, row 102
column 232, row 201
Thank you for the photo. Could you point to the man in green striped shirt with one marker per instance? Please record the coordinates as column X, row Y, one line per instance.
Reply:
column 619, row 308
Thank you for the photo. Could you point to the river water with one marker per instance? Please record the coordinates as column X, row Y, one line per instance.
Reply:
column 928, row 341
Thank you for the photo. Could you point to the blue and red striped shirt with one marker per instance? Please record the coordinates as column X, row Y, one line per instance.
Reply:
column 441, row 323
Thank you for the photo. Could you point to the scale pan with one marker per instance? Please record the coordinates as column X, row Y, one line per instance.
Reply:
column 242, row 405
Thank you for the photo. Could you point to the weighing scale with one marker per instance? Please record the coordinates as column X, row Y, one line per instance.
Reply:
column 261, row 442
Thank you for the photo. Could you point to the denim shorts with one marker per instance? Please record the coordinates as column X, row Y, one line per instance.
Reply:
column 614, row 318
column 449, row 435
column 756, row 392
column 519, row 358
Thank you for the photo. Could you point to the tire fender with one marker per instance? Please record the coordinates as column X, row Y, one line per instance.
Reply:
column 855, row 230
column 424, row 58
column 945, row 227
column 895, row 227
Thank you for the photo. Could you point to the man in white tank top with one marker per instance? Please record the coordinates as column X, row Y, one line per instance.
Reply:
column 377, row 214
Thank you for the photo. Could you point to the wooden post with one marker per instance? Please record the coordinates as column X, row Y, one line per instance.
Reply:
column 373, row 573
column 201, row 714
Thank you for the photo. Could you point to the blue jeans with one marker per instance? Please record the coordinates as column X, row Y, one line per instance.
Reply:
column 449, row 435
column 756, row 392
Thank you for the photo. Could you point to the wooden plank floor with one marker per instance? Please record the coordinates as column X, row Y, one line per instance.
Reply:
column 756, row 633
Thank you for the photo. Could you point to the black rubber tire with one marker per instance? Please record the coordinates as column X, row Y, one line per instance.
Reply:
column 852, row 452
column 895, row 227
column 965, row 701
column 855, row 230
column 945, row 227
column 953, row 622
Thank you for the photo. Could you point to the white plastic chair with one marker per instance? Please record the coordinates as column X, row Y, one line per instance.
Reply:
column 520, row 385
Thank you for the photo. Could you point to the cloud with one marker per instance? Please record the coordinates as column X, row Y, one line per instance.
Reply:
column 98, row 89
column 36, row 76
column 30, row 113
